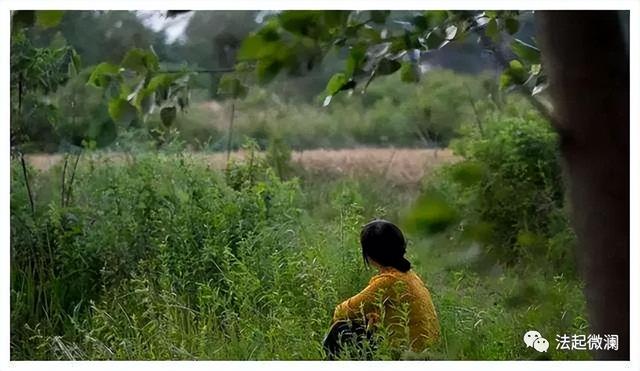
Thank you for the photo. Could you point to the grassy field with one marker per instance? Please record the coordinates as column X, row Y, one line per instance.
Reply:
column 400, row 166
column 167, row 257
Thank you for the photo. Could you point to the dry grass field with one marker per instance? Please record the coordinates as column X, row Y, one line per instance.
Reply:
column 401, row 166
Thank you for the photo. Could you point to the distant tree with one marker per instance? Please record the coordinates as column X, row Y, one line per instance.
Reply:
column 100, row 36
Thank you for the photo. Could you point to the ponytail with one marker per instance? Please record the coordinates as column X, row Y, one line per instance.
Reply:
column 403, row 265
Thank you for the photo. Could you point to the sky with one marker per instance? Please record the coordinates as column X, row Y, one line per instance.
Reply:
column 173, row 27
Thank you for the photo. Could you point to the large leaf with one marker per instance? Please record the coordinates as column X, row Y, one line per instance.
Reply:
column 526, row 52
column 335, row 18
column 431, row 214
column 102, row 74
column 514, row 74
column 336, row 83
column 255, row 47
column 302, row 22
column 436, row 18
column 48, row 18
column 121, row 111
column 268, row 69
column 355, row 59
column 162, row 80
column 491, row 30
column 140, row 60
column 511, row 25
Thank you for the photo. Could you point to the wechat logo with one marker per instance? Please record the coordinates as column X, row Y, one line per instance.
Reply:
column 534, row 339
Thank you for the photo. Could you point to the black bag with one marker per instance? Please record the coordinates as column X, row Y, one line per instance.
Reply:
column 348, row 333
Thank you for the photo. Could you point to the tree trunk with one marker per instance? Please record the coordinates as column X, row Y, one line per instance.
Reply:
column 586, row 58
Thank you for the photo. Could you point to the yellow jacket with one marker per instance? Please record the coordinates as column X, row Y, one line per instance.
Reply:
column 390, row 294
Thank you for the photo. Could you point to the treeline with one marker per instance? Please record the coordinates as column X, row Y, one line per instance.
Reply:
column 54, row 109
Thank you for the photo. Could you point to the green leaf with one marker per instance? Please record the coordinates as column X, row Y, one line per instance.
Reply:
column 420, row 23
column 492, row 29
column 431, row 213
column 267, row 70
column 102, row 74
column 250, row 47
column 140, row 60
column 121, row 111
column 511, row 25
column 379, row 16
column 168, row 115
column 409, row 72
column 526, row 52
column 435, row 18
column 144, row 102
column 161, row 80
column 302, row 22
column 48, row 18
column 231, row 86
column 336, row 83
column 355, row 59
column 254, row 47
column 514, row 74
column 335, row 18
column 270, row 31
column 505, row 80
column 517, row 72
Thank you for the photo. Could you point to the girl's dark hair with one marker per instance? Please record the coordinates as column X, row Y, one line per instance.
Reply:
column 383, row 242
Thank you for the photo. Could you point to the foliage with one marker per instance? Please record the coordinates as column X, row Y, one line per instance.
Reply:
column 374, row 45
column 507, row 195
column 35, row 73
column 117, row 32
column 158, row 257
column 135, row 87
column 84, row 121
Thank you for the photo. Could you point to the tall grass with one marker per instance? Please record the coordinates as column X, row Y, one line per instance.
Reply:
column 160, row 257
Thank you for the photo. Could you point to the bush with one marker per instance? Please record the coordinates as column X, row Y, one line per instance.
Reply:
column 507, row 194
column 83, row 113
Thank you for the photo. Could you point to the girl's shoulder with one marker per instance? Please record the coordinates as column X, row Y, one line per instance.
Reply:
column 389, row 275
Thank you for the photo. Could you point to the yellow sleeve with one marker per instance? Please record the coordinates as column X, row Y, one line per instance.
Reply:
column 364, row 302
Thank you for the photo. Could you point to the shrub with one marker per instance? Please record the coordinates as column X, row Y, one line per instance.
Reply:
column 507, row 194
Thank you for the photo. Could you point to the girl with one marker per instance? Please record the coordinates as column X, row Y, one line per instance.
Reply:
column 394, row 288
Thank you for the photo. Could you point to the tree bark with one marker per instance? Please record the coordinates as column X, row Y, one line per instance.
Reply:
column 586, row 59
